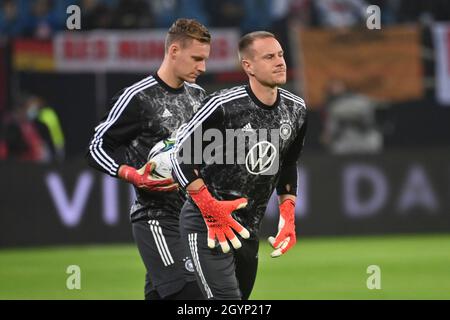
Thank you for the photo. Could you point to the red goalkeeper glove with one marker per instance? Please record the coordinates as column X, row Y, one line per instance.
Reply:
column 285, row 238
column 143, row 179
column 218, row 219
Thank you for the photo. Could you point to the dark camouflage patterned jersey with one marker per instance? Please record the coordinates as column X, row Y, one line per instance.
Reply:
column 246, row 148
column 140, row 116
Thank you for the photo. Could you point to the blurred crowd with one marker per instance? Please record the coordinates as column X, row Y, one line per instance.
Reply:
column 31, row 132
column 41, row 18
column 348, row 121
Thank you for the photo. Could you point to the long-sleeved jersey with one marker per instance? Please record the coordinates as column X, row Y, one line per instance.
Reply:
column 243, row 148
column 140, row 116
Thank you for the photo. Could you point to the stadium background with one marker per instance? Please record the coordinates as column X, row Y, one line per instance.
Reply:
column 384, row 203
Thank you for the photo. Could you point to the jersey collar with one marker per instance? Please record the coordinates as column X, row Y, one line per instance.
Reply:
column 166, row 86
column 259, row 103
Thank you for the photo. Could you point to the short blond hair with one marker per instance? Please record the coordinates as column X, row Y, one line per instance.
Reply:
column 247, row 40
column 184, row 30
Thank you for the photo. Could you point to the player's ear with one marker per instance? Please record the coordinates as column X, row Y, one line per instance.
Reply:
column 173, row 50
column 246, row 65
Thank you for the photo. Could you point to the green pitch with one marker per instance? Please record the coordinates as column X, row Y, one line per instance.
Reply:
column 412, row 267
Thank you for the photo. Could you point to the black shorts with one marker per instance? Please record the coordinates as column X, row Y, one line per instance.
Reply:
column 219, row 275
column 168, row 266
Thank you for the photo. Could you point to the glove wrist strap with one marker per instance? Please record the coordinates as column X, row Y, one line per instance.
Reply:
column 193, row 193
column 287, row 210
column 201, row 195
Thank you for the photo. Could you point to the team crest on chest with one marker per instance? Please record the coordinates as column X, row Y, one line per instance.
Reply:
column 285, row 129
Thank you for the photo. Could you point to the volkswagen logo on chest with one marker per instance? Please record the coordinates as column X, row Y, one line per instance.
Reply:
column 260, row 158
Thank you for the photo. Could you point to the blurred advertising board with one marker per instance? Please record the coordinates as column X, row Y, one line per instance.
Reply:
column 397, row 192
column 383, row 64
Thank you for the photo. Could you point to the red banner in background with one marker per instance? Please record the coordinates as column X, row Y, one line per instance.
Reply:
column 383, row 64
column 115, row 51
column 133, row 51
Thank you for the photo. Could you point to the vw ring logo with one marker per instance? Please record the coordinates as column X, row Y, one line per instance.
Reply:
column 260, row 157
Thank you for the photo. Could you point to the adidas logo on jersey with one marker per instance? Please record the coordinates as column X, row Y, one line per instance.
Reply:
column 166, row 113
column 247, row 127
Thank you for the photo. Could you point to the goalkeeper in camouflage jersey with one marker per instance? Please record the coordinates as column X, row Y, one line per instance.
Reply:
column 242, row 144
column 141, row 115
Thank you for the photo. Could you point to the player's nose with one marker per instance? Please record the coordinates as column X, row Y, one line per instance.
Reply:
column 280, row 62
column 201, row 67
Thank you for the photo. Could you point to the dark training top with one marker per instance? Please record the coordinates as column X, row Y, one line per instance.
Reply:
column 247, row 148
column 141, row 116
